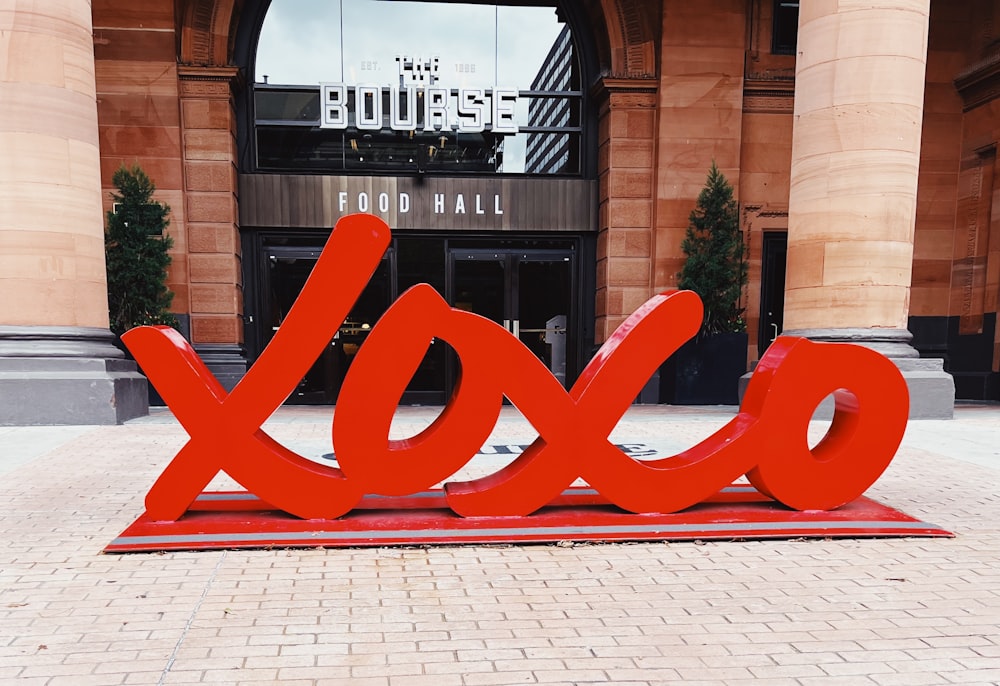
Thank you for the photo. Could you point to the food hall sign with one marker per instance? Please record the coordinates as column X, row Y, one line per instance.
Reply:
column 420, row 104
column 767, row 440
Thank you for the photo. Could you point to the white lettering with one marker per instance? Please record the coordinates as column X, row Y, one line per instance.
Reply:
column 396, row 120
column 471, row 103
column 382, row 202
column 333, row 97
column 469, row 108
column 368, row 107
column 436, row 109
column 504, row 100
column 419, row 69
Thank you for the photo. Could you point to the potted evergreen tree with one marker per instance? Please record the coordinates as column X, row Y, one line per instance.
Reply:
column 707, row 369
column 136, row 250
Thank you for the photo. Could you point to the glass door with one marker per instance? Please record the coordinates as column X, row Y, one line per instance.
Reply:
column 772, row 288
column 528, row 292
column 287, row 271
column 542, row 299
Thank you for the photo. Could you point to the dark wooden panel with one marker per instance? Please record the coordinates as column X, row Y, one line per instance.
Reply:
column 446, row 204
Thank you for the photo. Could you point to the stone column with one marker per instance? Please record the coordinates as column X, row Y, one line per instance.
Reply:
column 215, row 283
column 626, row 168
column 58, row 362
column 626, row 172
column 859, row 92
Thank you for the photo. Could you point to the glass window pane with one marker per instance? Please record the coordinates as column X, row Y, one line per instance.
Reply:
column 299, row 43
column 386, row 57
column 287, row 105
column 785, row 27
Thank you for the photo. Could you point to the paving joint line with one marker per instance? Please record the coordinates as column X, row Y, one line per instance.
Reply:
column 190, row 621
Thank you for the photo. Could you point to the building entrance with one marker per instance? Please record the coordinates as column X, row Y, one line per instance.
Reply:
column 287, row 269
column 529, row 293
column 772, row 288
column 531, row 287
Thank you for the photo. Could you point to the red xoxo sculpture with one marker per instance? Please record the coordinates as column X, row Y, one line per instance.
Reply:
column 766, row 441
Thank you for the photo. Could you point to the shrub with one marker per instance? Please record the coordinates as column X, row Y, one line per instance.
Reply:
column 136, row 249
column 716, row 267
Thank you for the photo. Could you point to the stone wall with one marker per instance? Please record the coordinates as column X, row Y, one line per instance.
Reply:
column 177, row 123
column 138, row 115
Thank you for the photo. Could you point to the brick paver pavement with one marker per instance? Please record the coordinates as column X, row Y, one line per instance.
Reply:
column 868, row 612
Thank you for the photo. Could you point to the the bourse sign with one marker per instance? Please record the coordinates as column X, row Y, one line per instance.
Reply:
column 420, row 104
column 767, row 440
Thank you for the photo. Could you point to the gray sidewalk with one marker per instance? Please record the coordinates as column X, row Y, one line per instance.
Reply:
column 891, row 611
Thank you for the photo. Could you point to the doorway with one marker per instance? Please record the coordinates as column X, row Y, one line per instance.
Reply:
column 772, row 288
column 287, row 271
column 528, row 292
column 531, row 286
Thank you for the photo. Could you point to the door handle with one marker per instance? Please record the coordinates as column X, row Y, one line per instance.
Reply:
column 775, row 327
column 517, row 328
column 506, row 324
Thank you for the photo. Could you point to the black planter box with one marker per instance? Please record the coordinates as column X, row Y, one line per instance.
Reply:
column 705, row 371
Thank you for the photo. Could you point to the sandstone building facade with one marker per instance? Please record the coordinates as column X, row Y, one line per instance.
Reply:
column 860, row 138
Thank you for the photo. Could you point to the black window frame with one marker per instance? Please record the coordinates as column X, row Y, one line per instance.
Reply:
column 784, row 27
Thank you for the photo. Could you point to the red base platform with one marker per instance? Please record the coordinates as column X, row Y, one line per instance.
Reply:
column 241, row 520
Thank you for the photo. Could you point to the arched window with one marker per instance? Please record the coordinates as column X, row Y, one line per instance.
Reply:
column 412, row 87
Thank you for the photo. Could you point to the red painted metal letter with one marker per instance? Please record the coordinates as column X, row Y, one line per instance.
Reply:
column 767, row 440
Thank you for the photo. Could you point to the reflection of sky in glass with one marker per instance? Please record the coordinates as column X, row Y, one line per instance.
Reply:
column 479, row 46
column 300, row 41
